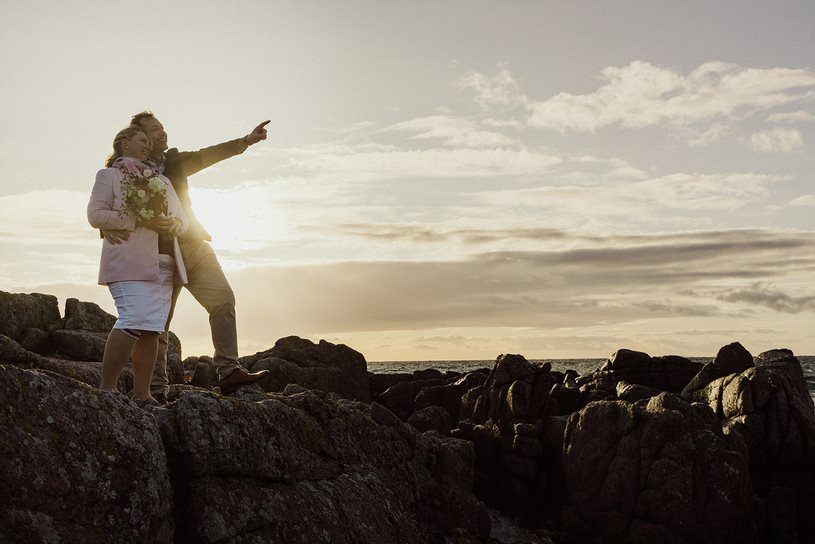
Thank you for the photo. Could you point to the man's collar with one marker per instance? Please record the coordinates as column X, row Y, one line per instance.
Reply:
column 159, row 165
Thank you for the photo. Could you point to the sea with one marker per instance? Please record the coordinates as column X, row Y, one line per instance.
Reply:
column 581, row 366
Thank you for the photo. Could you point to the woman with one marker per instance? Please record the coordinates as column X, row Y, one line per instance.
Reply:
column 140, row 271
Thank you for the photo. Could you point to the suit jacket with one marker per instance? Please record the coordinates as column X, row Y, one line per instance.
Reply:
column 135, row 259
column 179, row 165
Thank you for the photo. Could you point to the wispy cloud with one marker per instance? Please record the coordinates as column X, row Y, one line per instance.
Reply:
column 777, row 140
column 760, row 294
column 452, row 131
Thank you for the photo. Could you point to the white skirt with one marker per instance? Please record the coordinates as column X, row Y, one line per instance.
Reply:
column 145, row 305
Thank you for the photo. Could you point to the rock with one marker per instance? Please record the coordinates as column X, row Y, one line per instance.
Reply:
column 380, row 382
column 431, row 418
column 449, row 395
column 19, row 312
column 731, row 359
column 204, row 375
column 769, row 406
column 175, row 369
column 86, row 316
column 36, row 340
column 633, row 392
column 79, row 464
column 401, row 398
column 303, row 468
column 669, row 373
column 664, row 473
column 79, row 345
column 13, row 353
column 324, row 366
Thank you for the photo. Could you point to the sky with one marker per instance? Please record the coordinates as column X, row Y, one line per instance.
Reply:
column 443, row 180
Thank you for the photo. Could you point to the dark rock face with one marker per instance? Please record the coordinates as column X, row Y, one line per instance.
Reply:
column 86, row 316
column 303, row 468
column 78, row 462
column 323, row 366
column 769, row 407
column 669, row 373
column 662, row 473
column 79, row 345
column 731, row 359
column 19, row 312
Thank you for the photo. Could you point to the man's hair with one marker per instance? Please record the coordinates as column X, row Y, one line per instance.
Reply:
column 139, row 117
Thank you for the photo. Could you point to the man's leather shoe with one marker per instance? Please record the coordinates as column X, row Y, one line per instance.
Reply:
column 240, row 377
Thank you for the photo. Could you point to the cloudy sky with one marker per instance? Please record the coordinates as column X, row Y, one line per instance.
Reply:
column 445, row 179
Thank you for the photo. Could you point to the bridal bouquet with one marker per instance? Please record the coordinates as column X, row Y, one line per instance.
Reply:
column 143, row 192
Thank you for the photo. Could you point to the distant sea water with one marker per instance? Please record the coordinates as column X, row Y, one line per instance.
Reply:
column 581, row 366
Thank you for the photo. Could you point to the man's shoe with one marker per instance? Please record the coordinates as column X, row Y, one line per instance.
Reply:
column 240, row 377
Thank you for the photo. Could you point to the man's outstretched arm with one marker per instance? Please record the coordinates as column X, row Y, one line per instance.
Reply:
column 195, row 161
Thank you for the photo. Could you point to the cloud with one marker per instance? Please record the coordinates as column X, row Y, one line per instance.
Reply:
column 777, row 140
column 641, row 95
column 804, row 200
column 499, row 91
column 609, row 282
column 760, row 294
column 452, row 131
column 352, row 164
column 791, row 117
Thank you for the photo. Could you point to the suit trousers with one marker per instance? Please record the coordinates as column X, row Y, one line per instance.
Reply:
column 209, row 286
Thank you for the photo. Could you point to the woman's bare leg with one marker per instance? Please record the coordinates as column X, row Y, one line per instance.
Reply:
column 144, row 358
column 117, row 350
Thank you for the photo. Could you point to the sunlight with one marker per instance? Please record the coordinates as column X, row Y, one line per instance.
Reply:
column 245, row 218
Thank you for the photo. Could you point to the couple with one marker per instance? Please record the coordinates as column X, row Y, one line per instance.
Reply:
column 153, row 245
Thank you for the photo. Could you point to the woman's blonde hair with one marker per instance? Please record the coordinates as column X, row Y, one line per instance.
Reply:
column 121, row 136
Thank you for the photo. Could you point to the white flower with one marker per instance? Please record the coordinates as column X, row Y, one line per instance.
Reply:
column 147, row 173
column 141, row 193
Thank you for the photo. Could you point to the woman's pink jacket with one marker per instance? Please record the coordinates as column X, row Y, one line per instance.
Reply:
column 135, row 259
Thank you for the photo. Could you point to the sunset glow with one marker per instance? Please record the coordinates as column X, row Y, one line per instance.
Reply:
column 448, row 180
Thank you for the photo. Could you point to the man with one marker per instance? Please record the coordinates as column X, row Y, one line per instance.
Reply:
column 207, row 282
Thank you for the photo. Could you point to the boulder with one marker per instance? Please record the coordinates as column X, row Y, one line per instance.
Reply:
column 660, row 473
column 770, row 407
column 669, row 373
column 304, row 468
column 79, row 345
column 19, row 311
column 86, row 316
column 324, row 366
column 401, row 397
column 431, row 418
column 79, row 465
column 731, row 359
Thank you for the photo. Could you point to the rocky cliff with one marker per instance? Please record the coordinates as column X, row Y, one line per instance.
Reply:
column 643, row 449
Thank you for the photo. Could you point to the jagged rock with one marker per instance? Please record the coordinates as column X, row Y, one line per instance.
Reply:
column 86, row 316
column 401, row 398
column 13, row 353
column 633, row 392
column 669, row 373
column 19, row 311
column 381, row 382
column 204, row 375
column 664, row 473
column 78, row 464
column 175, row 369
column 431, row 418
column 79, row 345
column 731, row 359
column 324, row 366
column 449, row 395
column 306, row 469
column 36, row 340
column 769, row 406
